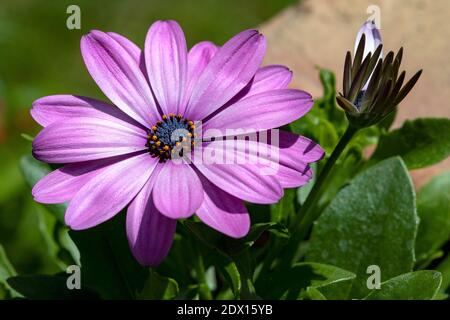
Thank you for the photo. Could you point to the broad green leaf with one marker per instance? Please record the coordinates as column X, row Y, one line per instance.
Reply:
column 418, row 285
column 420, row 142
column 348, row 164
column 107, row 264
column 34, row 170
column 158, row 287
column 433, row 207
column 232, row 246
column 292, row 283
column 49, row 287
column 6, row 271
column 372, row 221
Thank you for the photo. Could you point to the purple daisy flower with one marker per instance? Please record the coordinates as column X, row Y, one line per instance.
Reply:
column 122, row 154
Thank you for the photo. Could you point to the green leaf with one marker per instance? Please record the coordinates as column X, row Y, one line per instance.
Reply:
column 227, row 267
column 418, row 285
column 387, row 122
column 365, row 137
column 420, row 142
column 6, row 268
column 329, row 85
column 316, row 126
column 107, row 264
column 180, row 254
column 207, row 235
column 34, row 170
column 328, row 102
column 341, row 174
column 6, row 271
column 232, row 246
column 372, row 221
column 190, row 292
column 422, row 264
column 444, row 269
column 284, row 208
column 158, row 287
column 47, row 287
column 245, row 263
column 314, row 294
column 292, row 283
column 303, row 191
column 46, row 224
column 433, row 207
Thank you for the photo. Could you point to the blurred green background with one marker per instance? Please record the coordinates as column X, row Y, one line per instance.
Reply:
column 39, row 56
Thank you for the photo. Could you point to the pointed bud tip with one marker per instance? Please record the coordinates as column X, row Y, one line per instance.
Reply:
column 372, row 36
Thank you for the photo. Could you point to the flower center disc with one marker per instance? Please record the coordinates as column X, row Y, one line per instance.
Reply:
column 170, row 137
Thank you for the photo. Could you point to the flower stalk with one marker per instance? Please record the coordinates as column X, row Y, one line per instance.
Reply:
column 308, row 216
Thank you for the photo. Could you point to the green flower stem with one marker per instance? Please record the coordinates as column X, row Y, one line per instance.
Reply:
column 308, row 216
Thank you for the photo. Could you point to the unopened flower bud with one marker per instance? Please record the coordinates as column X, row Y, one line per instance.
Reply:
column 372, row 85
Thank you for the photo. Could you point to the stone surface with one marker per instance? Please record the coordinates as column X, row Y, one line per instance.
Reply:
column 319, row 32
